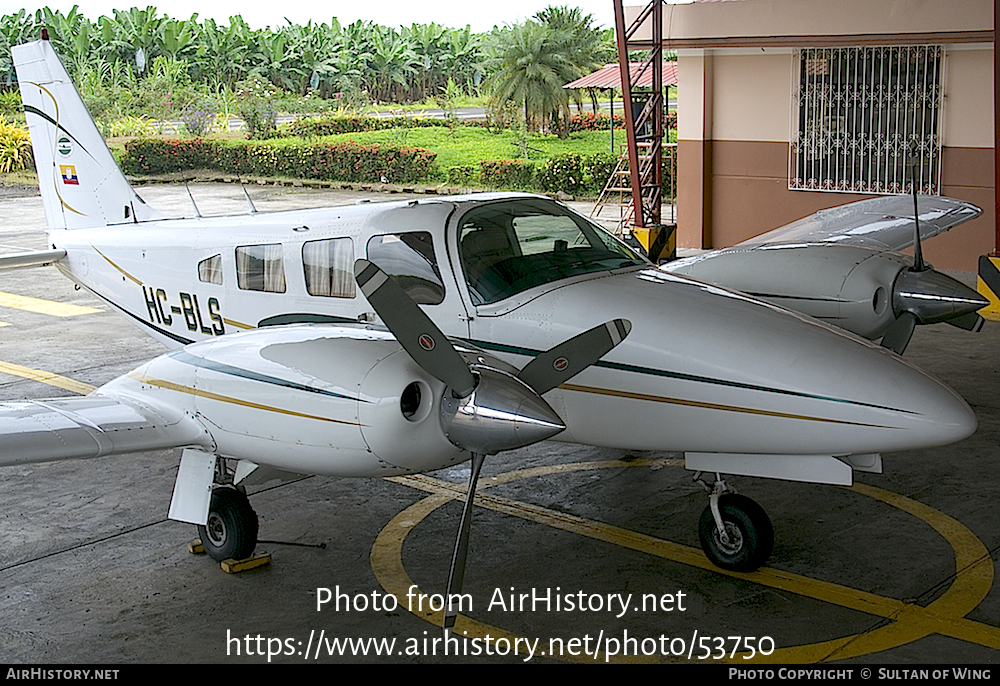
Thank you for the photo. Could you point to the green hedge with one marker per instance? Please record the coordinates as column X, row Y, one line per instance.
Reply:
column 507, row 174
column 330, row 126
column 280, row 157
column 348, row 161
column 463, row 175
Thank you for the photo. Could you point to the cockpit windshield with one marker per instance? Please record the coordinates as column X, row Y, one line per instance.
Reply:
column 509, row 247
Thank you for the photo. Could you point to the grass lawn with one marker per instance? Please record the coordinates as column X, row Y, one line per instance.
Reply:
column 468, row 145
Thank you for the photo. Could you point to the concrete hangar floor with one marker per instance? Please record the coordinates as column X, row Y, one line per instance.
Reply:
column 898, row 569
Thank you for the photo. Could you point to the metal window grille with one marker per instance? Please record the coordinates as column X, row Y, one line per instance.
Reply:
column 867, row 120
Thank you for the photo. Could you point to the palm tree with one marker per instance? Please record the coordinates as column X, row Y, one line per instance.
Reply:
column 529, row 66
column 587, row 47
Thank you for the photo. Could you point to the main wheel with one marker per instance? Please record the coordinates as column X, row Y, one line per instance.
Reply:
column 231, row 531
column 751, row 536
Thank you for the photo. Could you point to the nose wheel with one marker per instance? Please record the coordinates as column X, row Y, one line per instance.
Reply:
column 735, row 532
column 231, row 529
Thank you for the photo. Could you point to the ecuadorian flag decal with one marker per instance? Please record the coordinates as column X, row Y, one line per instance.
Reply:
column 69, row 174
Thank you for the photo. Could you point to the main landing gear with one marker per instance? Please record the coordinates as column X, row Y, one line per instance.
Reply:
column 231, row 530
column 735, row 532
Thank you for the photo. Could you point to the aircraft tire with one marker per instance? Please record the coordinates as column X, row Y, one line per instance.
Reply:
column 231, row 531
column 750, row 532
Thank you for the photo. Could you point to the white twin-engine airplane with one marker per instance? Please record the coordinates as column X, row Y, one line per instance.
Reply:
column 279, row 364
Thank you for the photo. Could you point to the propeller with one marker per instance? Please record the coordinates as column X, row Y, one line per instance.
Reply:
column 485, row 409
column 922, row 295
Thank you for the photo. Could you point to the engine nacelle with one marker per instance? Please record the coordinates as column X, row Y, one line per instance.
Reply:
column 337, row 401
column 845, row 285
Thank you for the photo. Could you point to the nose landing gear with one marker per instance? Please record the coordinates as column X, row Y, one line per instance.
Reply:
column 735, row 532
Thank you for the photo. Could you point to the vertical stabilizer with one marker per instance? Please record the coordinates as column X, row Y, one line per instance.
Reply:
column 81, row 184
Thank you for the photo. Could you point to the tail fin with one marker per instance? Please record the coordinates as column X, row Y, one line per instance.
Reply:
column 81, row 184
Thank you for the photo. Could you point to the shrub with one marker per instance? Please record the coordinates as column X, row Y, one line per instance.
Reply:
column 563, row 173
column 590, row 121
column 15, row 147
column 597, row 169
column 280, row 157
column 10, row 105
column 462, row 175
column 199, row 117
column 127, row 126
column 162, row 156
column 330, row 126
column 507, row 173
column 257, row 107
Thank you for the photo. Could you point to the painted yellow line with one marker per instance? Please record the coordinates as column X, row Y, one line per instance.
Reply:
column 23, row 302
column 5, row 324
column 202, row 393
column 123, row 272
column 238, row 325
column 46, row 378
column 909, row 621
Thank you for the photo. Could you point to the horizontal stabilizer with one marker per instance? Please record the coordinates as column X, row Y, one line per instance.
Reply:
column 39, row 258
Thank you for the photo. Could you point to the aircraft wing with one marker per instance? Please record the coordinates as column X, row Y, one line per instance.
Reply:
column 884, row 223
column 92, row 426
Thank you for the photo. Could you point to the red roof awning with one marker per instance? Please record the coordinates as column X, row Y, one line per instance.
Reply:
column 609, row 76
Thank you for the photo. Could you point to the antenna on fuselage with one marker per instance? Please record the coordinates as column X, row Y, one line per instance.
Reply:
column 194, row 205
column 250, row 209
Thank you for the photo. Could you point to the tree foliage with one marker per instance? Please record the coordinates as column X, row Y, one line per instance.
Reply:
column 529, row 63
column 141, row 62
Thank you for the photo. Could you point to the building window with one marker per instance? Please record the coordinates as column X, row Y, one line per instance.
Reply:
column 260, row 268
column 329, row 267
column 867, row 120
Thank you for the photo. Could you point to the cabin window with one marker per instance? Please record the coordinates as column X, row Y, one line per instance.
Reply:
column 329, row 267
column 408, row 258
column 210, row 270
column 260, row 268
column 509, row 247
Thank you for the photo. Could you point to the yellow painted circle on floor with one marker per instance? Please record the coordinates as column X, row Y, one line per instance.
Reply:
column 908, row 622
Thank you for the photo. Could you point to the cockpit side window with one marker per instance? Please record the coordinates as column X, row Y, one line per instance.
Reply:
column 408, row 258
column 210, row 270
column 329, row 267
column 511, row 246
column 260, row 268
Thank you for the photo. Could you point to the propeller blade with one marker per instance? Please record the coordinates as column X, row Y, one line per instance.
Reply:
column 569, row 358
column 456, row 575
column 970, row 322
column 918, row 255
column 414, row 330
column 898, row 335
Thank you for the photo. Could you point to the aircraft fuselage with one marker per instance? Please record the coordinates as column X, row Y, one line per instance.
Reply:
column 704, row 369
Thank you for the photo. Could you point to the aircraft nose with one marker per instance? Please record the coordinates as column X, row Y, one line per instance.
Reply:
column 934, row 297
column 937, row 414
